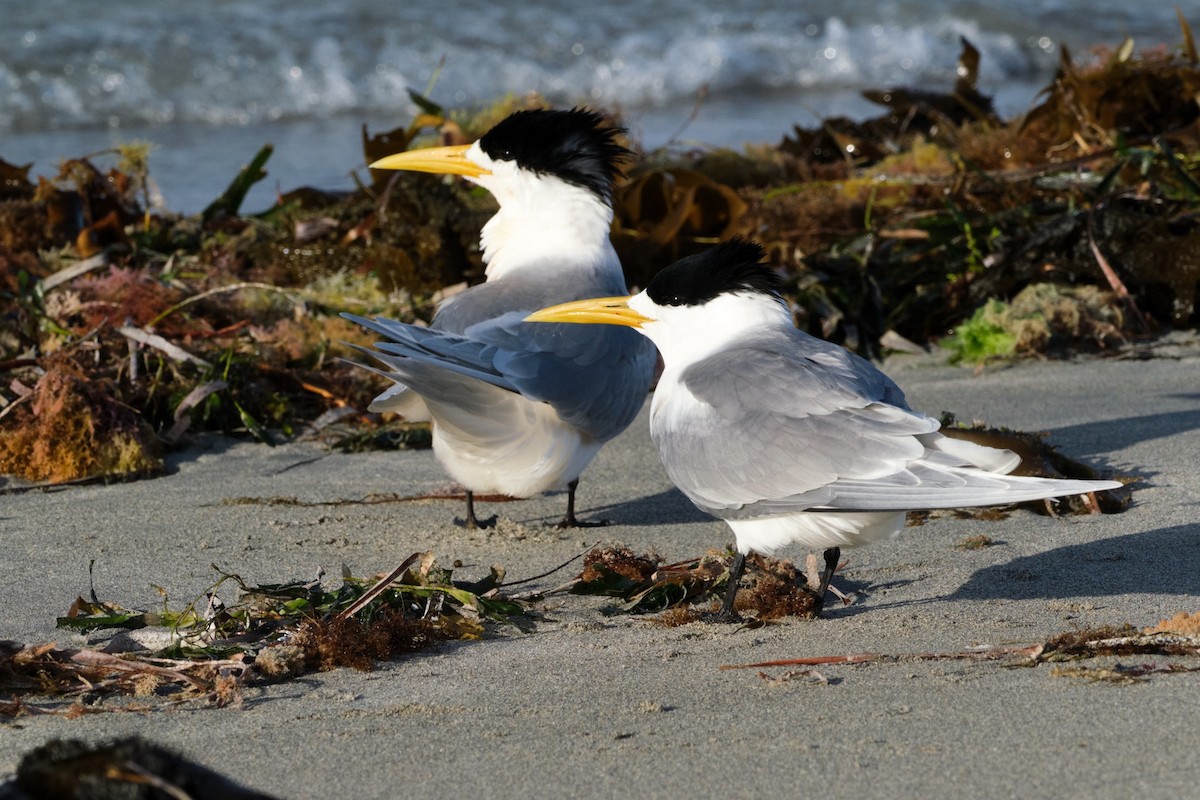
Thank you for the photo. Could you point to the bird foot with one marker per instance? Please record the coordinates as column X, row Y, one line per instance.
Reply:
column 472, row 523
column 728, row 618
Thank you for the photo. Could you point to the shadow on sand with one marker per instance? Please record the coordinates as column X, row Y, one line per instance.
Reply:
column 669, row 507
column 1161, row 561
column 1091, row 438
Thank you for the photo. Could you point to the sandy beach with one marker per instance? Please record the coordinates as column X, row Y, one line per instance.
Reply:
column 594, row 705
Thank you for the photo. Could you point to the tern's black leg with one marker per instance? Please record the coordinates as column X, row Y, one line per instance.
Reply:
column 570, row 520
column 832, row 556
column 735, row 576
column 472, row 521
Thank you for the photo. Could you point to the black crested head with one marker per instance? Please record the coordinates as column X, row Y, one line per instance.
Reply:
column 732, row 266
column 577, row 146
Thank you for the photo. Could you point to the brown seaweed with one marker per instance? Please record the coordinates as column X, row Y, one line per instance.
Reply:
column 909, row 225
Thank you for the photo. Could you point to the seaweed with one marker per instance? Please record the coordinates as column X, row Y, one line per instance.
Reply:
column 208, row 651
column 772, row 588
column 1070, row 229
column 75, row 427
column 1174, row 637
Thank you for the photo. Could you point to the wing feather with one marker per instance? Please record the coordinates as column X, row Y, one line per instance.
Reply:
column 595, row 377
column 785, row 423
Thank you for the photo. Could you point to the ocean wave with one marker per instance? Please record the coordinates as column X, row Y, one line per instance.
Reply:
column 129, row 63
column 248, row 63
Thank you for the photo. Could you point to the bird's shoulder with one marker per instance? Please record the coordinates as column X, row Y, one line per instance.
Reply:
column 789, row 373
column 519, row 295
column 493, row 314
column 769, row 424
column 595, row 377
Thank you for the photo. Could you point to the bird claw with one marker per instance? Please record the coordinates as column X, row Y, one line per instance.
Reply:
column 471, row 523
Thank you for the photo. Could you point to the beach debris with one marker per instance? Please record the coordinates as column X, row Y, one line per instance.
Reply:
column 1041, row 319
column 394, row 434
column 74, row 426
column 1118, row 674
column 667, row 213
column 172, row 351
column 448, row 492
column 130, row 767
column 810, row 676
column 348, row 642
column 1039, row 459
column 1071, row 229
column 773, row 588
column 776, row 590
column 229, row 203
column 911, row 113
column 1070, row 646
column 55, row 674
column 976, row 542
column 72, row 272
column 643, row 582
column 1183, row 623
column 209, row 650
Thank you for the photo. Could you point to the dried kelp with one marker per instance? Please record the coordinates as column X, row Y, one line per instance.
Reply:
column 770, row 588
column 1075, row 227
column 665, row 214
column 776, row 590
column 70, row 426
column 1040, row 459
column 210, row 650
column 1080, row 191
column 1175, row 637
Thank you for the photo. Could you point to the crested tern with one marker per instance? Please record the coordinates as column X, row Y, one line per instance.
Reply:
column 786, row 437
column 519, row 409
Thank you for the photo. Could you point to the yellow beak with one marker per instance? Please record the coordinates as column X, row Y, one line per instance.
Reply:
column 442, row 160
column 605, row 310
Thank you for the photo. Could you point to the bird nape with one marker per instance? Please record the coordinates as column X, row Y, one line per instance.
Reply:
column 516, row 408
column 789, row 438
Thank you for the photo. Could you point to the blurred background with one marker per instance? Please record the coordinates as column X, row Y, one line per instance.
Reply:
column 209, row 83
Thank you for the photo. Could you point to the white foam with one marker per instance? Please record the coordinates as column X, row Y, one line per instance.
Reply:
column 242, row 63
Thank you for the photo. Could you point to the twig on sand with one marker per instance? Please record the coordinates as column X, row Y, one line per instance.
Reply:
column 1066, row 646
column 864, row 658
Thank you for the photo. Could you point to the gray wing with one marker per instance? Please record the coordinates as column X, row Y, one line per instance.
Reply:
column 416, row 350
column 595, row 377
column 786, row 425
column 775, row 424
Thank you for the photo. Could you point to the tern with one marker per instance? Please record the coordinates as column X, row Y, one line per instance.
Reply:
column 516, row 408
column 786, row 437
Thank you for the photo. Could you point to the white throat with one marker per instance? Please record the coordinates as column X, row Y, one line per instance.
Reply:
column 542, row 217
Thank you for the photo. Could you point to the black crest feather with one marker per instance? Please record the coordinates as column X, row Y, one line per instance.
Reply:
column 732, row 266
column 578, row 146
